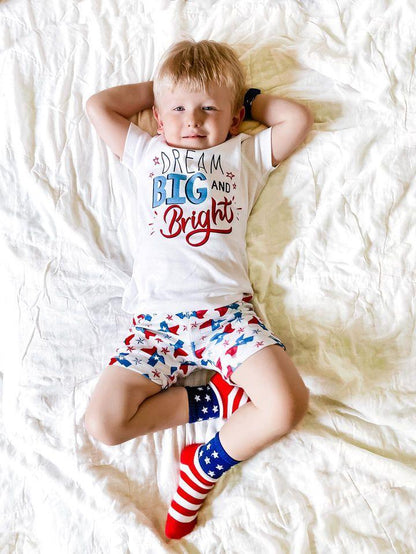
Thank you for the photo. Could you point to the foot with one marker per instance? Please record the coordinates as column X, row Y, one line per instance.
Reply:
column 194, row 486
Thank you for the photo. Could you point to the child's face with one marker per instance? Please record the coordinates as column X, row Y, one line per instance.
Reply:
column 196, row 120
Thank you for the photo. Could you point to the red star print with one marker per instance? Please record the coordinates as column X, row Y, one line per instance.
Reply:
column 151, row 174
column 156, row 373
column 131, row 348
column 165, row 350
column 234, row 186
column 230, row 175
column 156, row 160
column 260, row 343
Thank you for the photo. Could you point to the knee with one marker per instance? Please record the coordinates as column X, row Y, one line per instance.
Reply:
column 100, row 430
column 288, row 411
column 301, row 405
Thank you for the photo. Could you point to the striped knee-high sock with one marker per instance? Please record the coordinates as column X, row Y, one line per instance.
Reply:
column 216, row 399
column 200, row 468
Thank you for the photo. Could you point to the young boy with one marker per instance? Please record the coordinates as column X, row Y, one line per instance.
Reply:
column 190, row 294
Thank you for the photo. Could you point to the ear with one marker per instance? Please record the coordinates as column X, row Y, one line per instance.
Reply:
column 156, row 115
column 236, row 121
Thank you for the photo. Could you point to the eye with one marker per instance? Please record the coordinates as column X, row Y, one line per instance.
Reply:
column 179, row 109
column 209, row 108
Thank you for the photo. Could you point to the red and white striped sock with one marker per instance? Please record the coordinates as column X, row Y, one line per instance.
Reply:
column 216, row 399
column 200, row 468
column 194, row 485
column 230, row 397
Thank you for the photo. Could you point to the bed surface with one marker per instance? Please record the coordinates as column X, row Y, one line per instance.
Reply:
column 332, row 255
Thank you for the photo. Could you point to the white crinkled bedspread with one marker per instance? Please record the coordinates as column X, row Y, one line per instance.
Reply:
column 332, row 254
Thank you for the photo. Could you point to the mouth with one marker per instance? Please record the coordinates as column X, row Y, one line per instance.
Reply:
column 194, row 136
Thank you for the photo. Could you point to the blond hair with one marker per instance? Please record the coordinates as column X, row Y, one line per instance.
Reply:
column 198, row 65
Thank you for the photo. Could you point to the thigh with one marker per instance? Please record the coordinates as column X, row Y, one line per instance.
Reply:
column 155, row 347
column 117, row 396
column 271, row 380
column 235, row 336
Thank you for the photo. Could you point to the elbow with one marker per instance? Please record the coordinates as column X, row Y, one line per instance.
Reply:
column 89, row 104
column 308, row 118
column 88, row 107
column 306, row 121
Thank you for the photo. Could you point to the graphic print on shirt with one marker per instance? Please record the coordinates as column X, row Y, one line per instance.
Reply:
column 193, row 195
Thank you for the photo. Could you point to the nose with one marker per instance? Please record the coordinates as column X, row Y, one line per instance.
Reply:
column 194, row 119
column 193, row 123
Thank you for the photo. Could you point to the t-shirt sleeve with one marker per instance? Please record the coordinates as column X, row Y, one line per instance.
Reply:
column 135, row 146
column 257, row 162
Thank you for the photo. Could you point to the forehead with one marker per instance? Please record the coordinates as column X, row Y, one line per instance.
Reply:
column 182, row 91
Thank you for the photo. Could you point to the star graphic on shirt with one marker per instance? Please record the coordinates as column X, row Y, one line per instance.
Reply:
column 218, row 467
column 156, row 160
column 151, row 175
column 197, row 398
column 207, row 397
column 211, row 473
column 215, row 454
column 165, row 350
column 230, row 175
column 234, row 186
column 131, row 348
column 241, row 330
column 204, row 410
column 156, row 373
column 260, row 343
column 207, row 460
column 215, row 409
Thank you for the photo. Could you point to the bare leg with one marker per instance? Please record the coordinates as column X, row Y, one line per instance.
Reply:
column 279, row 400
column 125, row 405
column 162, row 411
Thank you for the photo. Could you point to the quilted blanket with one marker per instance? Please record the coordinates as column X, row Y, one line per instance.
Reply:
column 332, row 258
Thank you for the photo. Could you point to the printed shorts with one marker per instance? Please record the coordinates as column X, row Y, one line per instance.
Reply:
column 163, row 347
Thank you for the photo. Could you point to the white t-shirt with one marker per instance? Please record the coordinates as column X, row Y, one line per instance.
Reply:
column 192, row 210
